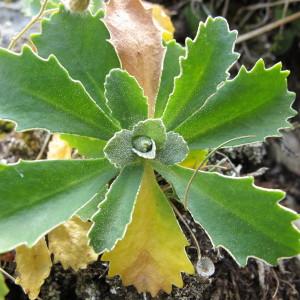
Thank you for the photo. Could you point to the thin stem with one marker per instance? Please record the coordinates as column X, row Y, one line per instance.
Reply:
column 8, row 275
column 46, row 141
column 225, row 8
column 50, row 11
column 264, row 5
column 28, row 26
column 277, row 284
column 284, row 12
column 32, row 45
column 180, row 216
column 185, row 198
column 269, row 27
column 212, row 168
column 229, row 161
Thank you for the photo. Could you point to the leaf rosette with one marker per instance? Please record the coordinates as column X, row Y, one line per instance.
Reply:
column 147, row 140
column 75, row 86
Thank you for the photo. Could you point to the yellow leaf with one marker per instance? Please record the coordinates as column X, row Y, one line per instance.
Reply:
column 194, row 159
column 69, row 244
column 69, row 241
column 152, row 254
column 161, row 20
column 138, row 43
column 33, row 267
column 58, row 149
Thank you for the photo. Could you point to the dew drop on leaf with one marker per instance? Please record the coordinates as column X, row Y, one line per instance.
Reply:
column 144, row 147
column 143, row 144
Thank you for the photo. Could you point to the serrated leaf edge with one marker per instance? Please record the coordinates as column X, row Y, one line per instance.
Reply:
column 25, row 243
column 148, row 120
column 52, row 58
column 129, row 75
column 260, row 63
column 113, row 137
column 189, row 43
column 276, row 202
column 99, row 15
column 126, row 226
column 183, row 141
column 166, row 44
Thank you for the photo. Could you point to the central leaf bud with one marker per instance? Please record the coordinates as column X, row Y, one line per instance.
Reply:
column 148, row 139
column 142, row 144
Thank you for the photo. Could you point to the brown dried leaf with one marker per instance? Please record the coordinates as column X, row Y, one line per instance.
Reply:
column 69, row 244
column 33, row 267
column 69, row 241
column 138, row 43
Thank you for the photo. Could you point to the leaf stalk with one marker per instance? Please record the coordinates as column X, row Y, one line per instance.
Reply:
column 209, row 155
column 28, row 26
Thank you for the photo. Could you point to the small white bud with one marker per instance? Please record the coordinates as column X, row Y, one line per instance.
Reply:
column 78, row 5
column 205, row 267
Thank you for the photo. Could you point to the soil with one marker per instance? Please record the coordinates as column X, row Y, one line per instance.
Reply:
column 274, row 163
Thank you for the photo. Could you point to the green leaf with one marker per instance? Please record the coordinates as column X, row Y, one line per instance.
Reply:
column 32, row 7
column 86, row 213
column 3, row 288
column 43, row 194
column 125, row 98
column 95, row 6
column 205, row 66
column 175, row 149
column 80, row 43
column 88, row 147
column 171, row 69
column 38, row 93
column 253, row 103
column 116, row 210
column 152, row 128
column 244, row 219
column 119, row 149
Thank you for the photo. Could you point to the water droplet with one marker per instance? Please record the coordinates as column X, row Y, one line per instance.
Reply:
column 143, row 144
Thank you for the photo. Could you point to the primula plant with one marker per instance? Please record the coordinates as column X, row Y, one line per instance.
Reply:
column 135, row 109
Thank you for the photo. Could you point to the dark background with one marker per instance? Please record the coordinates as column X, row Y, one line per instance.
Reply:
column 275, row 163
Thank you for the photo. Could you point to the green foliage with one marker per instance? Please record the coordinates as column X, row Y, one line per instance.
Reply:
column 133, row 107
column 171, row 69
column 83, row 62
column 148, row 140
column 42, row 194
column 237, row 215
column 77, row 89
column 116, row 210
column 175, row 149
column 86, row 146
column 95, row 6
column 153, row 128
column 119, row 149
column 89, row 209
column 203, row 68
column 3, row 288
column 44, row 90
column 237, row 110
